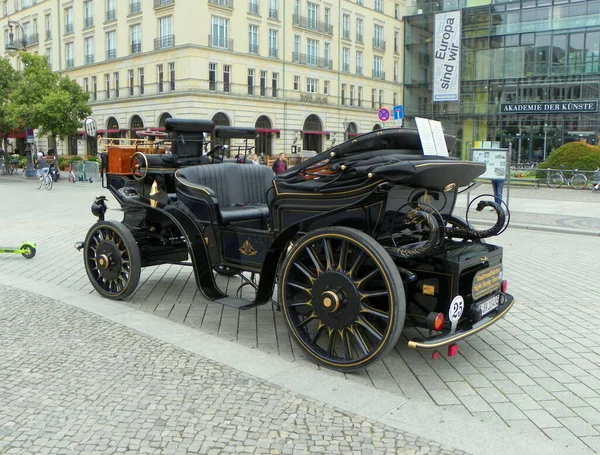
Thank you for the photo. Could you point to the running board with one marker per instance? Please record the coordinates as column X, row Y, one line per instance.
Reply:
column 238, row 304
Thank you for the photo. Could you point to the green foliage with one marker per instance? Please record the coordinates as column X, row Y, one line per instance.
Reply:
column 75, row 158
column 573, row 155
column 44, row 100
column 92, row 158
column 8, row 79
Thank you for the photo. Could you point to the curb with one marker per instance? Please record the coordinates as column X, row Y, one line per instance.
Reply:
column 544, row 228
column 403, row 414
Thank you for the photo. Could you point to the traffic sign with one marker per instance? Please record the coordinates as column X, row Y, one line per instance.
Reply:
column 398, row 112
column 383, row 114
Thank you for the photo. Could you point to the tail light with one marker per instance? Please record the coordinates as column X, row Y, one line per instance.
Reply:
column 504, row 285
column 435, row 321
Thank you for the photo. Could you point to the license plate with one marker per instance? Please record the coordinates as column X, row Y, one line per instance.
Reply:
column 488, row 305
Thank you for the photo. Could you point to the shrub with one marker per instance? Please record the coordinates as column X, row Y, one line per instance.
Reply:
column 92, row 158
column 75, row 158
column 573, row 155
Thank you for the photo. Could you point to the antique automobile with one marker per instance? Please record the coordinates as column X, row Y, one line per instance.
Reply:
column 352, row 245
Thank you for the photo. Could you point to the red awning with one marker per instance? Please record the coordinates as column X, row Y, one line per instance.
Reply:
column 80, row 133
column 354, row 134
column 326, row 133
column 16, row 135
column 267, row 130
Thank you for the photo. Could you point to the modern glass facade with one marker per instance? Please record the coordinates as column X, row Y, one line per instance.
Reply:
column 513, row 53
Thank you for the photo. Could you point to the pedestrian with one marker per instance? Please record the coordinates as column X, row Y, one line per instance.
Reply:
column 597, row 179
column 42, row 165
column 280, row 164
column 498, row 185
column 253, row 158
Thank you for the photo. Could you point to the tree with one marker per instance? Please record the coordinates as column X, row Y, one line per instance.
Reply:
column 8, row 79
column 55, row 105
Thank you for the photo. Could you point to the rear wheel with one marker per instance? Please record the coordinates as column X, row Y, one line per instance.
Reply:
column 29, row 251
column 38, row 183
column 555, row 180
column 578, row 181
column 342, row 298
column 48, row 182
column 112, row 259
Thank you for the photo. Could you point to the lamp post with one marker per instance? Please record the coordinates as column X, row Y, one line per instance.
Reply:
column 12, row 47
column 545, row 139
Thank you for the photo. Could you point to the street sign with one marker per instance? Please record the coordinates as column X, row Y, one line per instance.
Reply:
column 383, row 114
column 398, row 112
column 91, row 129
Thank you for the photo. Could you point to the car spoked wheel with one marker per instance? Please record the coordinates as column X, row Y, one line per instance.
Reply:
column 112, row 259
column 342, row 297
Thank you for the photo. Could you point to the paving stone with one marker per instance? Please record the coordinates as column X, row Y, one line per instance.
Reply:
column 508, row 411
column 542, row 419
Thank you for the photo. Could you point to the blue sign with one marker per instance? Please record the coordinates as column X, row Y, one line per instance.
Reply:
column 398, row 112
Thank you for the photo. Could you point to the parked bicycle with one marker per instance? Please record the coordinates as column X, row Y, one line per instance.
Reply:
column 44, row 180
column 577, row 181
column 29, row 171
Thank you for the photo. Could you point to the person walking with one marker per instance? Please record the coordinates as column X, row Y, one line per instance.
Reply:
column 280, row 164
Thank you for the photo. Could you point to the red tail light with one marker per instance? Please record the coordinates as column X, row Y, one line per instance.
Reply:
column 504, row 286
column 435, row 321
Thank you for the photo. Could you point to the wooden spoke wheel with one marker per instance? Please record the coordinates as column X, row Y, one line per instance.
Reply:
column 139, row 166
column 342, row 298
column 112, row 259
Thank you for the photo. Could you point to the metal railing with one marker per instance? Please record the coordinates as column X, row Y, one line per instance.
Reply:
column 253, row 48
column 89, row 59
column 31, row 40
column 224, row 3
column 312, row 60
column 312, row 24
column 273, row 13
column 378, row 74
column 135, row 7
column 136, row 48
column 164, row 42
column 68, row 28
column 378, row 44
column 88, row 22
column 158, row 3
column 220, row 42
column 346, row 34
column 111, row 53
column 273, row 52
column 359, row 38
column 70, row 63
column 111, row 15
column 253, row 8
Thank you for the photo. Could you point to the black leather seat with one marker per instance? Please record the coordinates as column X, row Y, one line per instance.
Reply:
column 240, row 190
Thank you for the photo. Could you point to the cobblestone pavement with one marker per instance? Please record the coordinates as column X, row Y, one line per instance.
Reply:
column 73, row 383
column 538, row 370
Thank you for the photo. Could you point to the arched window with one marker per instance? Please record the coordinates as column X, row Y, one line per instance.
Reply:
column 112, row 128
column 376, row 127
column 351, row 130
column 220, row 119
column 163, row 118
column 313, row 137
column 264, row 141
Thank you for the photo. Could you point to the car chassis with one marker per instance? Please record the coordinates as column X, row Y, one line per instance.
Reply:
column 359, row 241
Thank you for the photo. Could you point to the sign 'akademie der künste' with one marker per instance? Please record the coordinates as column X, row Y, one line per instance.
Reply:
column 550, row 108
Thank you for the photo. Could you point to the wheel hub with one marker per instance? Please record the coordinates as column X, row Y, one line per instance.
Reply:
column 103, row 261
column 108, row 260
column 337, row 300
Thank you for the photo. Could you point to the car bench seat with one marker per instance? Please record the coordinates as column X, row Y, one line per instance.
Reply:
column 239, row 190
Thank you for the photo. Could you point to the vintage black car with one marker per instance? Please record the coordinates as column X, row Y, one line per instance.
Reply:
column 351, row 245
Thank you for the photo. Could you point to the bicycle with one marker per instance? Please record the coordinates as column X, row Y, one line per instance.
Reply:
column 577, row 181
column 44, row 180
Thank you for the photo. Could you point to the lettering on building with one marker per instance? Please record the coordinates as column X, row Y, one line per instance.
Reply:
column 446, row 82
column 316, row 99
column 550, row 108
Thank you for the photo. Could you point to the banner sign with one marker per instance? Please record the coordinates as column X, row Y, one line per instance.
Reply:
column 446, row 79
column 550, row 108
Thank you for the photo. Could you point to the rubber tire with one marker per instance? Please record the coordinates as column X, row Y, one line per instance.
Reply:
column 134, row 259
column 31, row 253
column 48, row 183
column 395, row 284
column 38, row 184
column 578, row 181
column 555, row 181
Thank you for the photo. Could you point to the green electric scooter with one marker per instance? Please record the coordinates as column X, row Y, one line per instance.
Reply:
column 27, row 249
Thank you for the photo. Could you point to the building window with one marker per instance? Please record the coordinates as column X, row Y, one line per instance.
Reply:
column 68, row 20
column 94, row 88
column 111, row 45
column 346, row 59
column 352, row 95
column 360, row 96
column 327, row 16
column 86, row 84
column 296, row 56
column 212, row 76
column 297, row 8
column 88, row 19
column 111, row 10
column 378, row 5
column 273, row 43
column 88, row 45
column 107, row 85
column 48, row 25
column 312, row 51
column 130, row 81
column 227, row 78
column 5, row 8
column 396, row 42
column 378, row 41
column 165, row 32
column 135, row 6
column 274, row 9
column 397, row 11
column 313, row 15
column 160, row 77
column 172, row 76
column 395, row 72
column 312, row 85
column 327, row 52
column 378, row 67
column 253, row 7
column 373, row 96
column 296, row 82
column 263, row 83
column 135, row 37
column 325, row 87
column 359, row 31
column 250, row 81
column 275, row 84
column 395, row 98
column 70, row 62
column 49, row 56
column 253, row 39
column 343, row 97
column 359, row 62
column 141, row 80
column 380, row 98
column 220, row 32
column 116, row 83
column 346, row 26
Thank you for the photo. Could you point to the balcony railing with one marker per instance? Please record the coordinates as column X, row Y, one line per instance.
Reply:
column 89, row 59
column 346, row 67
column 359, row 70
column 48, row 35
column 346, row 34
column 220, row 42
column 135, row 7
column 136, row 48
column 111, row 15
column 273, row 13
column 253, row 8
column 311, row 24
column 312, row 60
column 378, row 74
column 224, row 3
column 88, row 22
column 158, row 3
column 273, row 52
column 68, row 28
column 359, row 38
column 378, row 44
column 70, row 63
column 31, row 40
column 111, row 53
column 253, row 48
column 163, row 42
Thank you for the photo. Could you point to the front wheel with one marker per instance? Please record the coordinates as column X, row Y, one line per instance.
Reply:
column 112, row 259
column 48, row 182
column 578, row 181
column 555, row 180
column 38, row 184
column 29, row 251
column 342, row 298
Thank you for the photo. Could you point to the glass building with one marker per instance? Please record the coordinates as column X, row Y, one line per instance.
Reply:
column 530, row 73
